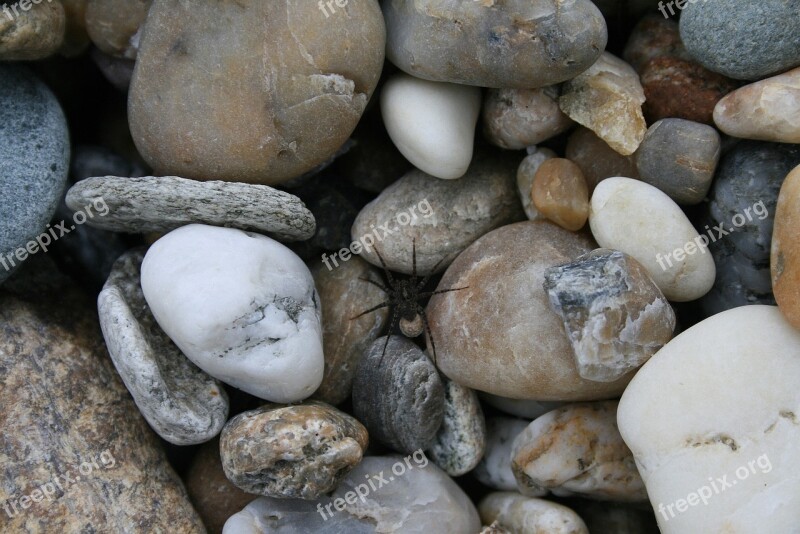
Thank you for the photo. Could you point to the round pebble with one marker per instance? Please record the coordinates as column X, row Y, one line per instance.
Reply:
column 560, row 193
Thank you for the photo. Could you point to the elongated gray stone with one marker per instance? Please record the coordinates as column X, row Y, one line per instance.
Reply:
column 461, row 440
column 162, row 204
column 181, row 403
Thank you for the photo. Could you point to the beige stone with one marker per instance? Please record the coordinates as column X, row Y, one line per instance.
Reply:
column 33, row 34
column 786, row 249
column 114, row 25
column 528, row 515
column 520, row 118
column 560, row 193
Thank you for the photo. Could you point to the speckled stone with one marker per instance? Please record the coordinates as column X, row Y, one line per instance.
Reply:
column 162, row 204
column 560, row 193
column 181, row 403
column 35, row 33
column 63, row 405
column 526, row 514
column 680, row 157
column 299, row 452
column 614, row 314
column 461, row 440
column 785, row 258
column 494, row 44
column 520, row 118
column 266, row 116
column 577, row 450
column 398, row 395
column 742, row 39
column 115, row 25
column 494, row 469
column 525, row 175
column 596, row 159
column 34, row 161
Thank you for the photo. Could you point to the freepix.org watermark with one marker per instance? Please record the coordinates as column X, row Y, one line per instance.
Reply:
column 366, row 242
column 24, row 5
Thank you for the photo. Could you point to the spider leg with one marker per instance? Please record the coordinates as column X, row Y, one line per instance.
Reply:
column 385, row 267
column 424, row 316
column 378, row 307
column 378, row 284
column 439, row 292
column 388, row 335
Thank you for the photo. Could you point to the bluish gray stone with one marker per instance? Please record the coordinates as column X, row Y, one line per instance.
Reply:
column 34, row 161
column 743, row 39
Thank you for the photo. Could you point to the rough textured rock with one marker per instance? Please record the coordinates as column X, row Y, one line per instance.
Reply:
column 298, row 452
column 494, row 469
column 577, row 450
column 418, row 498
column 344, row 294
column 34, row 162
column 241, row 306
column 525, row 175
column 66, row 410
column 608, row 99
column 518, row 44
column 432, row 123
column 442, row 217
column 115, row 25
column 740, row 39
column 614, row 314
column 526, row 514
column 560, row 193
column 521, row 118
column 499, row 335
column 596, row 159
column 201, row 108
column 461, row 440
column 162, row 204
column 35, row 33
column 213, row 495
column 680, row 158
column 398, row 395
column 785, row 260
column 683, row 418
column 768, row 110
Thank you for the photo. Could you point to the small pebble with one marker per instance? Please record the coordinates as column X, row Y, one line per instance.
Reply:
column 525, row 174
column 494, row 469
column 521, row 118
column 560, row 193
column 596, row 159
column 786, row 249
column 461, row 440
column 529, row 515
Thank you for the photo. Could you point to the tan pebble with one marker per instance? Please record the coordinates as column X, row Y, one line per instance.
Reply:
column 786, row 249
column 560, row 193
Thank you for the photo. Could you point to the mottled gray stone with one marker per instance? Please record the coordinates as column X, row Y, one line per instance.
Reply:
column 680, row 157
column 461, row 440
column 494, row 469
column 398, row 395
column 162, row 204
column 297, row 452
column 614, row 314
column 34, row 160
column 521, row 118
column 184, row 405
column 517, row 43
column 742, row 39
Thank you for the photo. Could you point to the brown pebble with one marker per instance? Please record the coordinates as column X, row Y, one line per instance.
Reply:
column 786, row 249
column 560, row 193
column 596, row 159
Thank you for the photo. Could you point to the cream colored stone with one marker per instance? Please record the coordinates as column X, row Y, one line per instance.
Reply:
column 528, row 515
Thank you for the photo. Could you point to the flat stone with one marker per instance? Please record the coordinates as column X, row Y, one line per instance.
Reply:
column 162, row 204
column 614, row 314
column 35, row 33
column 181, row 403
column 344, row 295
column 680, row 158
column 440, row 217
column 499, row 335
column 620, row 204
column 785, row 260
column 527, row 514
column 432, row 123
column 461, row 440
column 577, row 450
column 596, row 159
column 608, row 99
column 34, row 161
column 683, row 418
column 525, row 175
column 494, row 469
column 297, row 452
column 521, row 118
column 266, row 100
column 421, row 498
column 492, row 44
column 115, row 25
column 768, row 110
column 741, row 39
column 398, row 395
column 241, row 306
column 560, row 193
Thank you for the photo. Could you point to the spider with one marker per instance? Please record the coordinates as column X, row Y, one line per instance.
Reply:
column 403, row 298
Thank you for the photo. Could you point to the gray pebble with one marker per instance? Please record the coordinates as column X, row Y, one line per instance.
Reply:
column 461, row 440
column 150, row 204
column 398, row 395
column 181, row 403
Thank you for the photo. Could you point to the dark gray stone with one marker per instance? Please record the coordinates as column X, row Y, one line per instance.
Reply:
column 34, row 161
column 399, row 396
column 743, row 39
column 461, row 440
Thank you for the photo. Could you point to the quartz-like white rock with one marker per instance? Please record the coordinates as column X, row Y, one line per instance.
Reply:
column 432, row 123
column 241, row 306
column 642, row 221
column 494, row 469
column 529, row 515
column 712, row 420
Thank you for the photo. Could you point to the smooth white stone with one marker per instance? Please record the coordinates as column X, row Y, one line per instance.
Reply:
column 528, row 515
column 720, row 396
column 642, row 221
column 241, row 306
column 494, row 469
column 432, row 123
